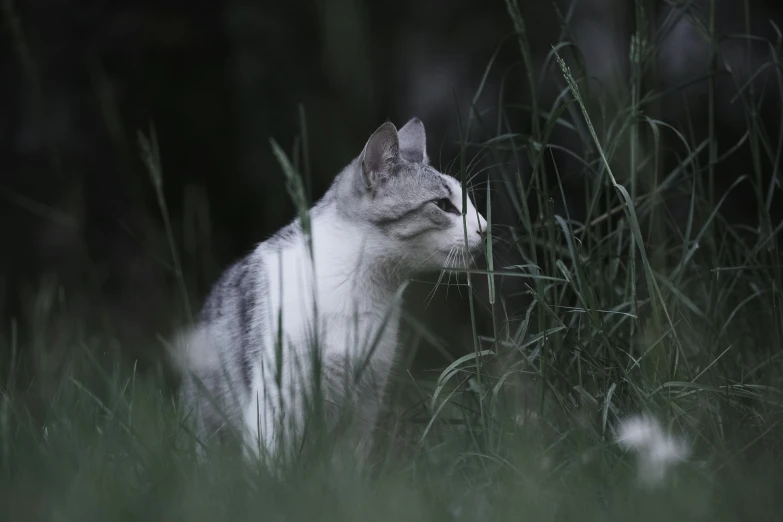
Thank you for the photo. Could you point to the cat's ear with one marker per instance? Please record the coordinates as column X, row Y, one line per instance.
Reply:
column 413, row 141
column 380, row 154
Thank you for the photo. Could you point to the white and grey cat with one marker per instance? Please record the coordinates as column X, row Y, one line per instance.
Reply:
column 248, row 362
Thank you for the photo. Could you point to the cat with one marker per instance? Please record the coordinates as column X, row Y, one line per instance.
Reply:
column 251, row 362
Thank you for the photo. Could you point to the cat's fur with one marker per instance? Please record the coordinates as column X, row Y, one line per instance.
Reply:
column 382, row 221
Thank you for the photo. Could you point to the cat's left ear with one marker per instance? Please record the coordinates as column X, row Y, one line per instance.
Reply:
column 413, row 142
column 379, row 155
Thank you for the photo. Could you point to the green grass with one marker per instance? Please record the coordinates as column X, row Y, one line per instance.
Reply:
column 627, row 312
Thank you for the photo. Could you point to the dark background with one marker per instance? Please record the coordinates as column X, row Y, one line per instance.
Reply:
column 79, row 217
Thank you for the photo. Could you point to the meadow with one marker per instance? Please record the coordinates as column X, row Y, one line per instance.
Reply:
column 652, row 301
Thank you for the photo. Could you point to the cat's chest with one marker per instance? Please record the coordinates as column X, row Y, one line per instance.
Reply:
column 353, row 317
column 353, row 333
column 368, row 334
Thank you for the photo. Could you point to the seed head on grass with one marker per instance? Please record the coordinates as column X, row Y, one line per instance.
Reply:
column 656, row 449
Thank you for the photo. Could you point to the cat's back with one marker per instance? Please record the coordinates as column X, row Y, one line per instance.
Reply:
column 242, row 303
column 243, row 287
column 232, row 292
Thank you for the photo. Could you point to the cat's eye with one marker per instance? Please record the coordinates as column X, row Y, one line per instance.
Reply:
column 446, row 205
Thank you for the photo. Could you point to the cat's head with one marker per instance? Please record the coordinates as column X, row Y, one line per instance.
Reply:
column 414, row 212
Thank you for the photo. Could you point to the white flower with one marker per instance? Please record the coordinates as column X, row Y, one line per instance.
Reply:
column 656, row 450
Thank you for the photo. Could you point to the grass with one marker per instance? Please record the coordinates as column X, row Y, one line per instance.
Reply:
column 626, row 310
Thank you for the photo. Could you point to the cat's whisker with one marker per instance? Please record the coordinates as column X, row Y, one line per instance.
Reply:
column 399, row 265
column 488, row 168
column 500, row 240
column 431, row 294
column 465, row 254
column 452, row 264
